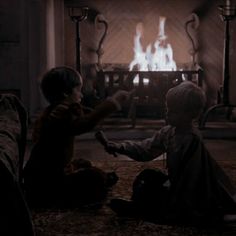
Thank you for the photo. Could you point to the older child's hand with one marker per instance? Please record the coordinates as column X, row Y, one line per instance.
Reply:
column 121, row 96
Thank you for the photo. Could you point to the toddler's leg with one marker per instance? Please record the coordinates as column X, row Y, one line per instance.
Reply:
column 149, row 194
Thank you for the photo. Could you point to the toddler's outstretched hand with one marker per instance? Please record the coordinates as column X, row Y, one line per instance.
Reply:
column 109, row 146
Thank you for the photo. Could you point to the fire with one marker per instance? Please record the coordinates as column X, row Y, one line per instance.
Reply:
column 140, row 57
column 161, row 59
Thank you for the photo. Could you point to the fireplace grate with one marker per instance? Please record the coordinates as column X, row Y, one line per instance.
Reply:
column 150, row 88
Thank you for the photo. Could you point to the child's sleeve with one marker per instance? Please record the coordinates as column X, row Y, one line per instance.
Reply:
column 145, row 150
column 84, row 123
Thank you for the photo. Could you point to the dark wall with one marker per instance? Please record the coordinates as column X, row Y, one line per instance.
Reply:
column 31, row 41
column 14, row 46
column 22, row 51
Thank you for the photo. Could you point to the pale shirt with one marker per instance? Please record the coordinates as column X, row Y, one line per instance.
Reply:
column 165, row 140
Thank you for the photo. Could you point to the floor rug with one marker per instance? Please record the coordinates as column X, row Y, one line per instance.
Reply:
column 103, row 221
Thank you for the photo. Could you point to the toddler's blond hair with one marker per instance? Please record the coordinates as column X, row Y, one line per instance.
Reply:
column 187, row 97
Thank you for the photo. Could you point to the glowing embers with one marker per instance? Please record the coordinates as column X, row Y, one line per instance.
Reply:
column 159, row 59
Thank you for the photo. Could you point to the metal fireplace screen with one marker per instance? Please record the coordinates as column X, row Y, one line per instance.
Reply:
column 150, row 87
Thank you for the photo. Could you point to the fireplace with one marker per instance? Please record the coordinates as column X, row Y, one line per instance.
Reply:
column 107, row 51
column 152, row 72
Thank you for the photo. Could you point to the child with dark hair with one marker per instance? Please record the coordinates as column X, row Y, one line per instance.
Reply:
column 195, row 188
column 51, row 176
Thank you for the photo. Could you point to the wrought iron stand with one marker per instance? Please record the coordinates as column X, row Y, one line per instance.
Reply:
column 227, row 13
column 77, row 15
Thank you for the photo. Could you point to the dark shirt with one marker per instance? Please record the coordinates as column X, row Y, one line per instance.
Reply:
column 54, row 134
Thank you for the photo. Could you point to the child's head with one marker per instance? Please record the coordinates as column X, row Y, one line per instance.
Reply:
column 185, row 102
column 60, row 82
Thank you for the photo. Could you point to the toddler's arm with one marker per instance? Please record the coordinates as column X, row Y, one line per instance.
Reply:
column 100, row 136
column 145, row 150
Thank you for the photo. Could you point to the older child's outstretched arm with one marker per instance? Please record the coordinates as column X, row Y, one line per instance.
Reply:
column 85, row 123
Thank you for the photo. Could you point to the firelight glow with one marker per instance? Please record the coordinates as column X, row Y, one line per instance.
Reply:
column 146, row 60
